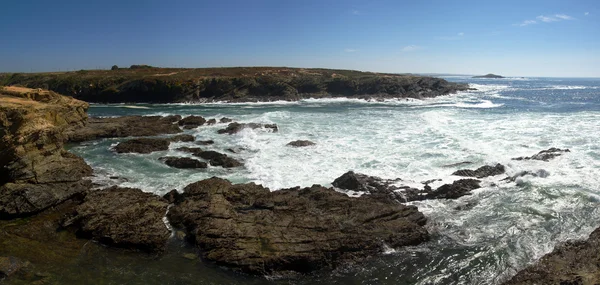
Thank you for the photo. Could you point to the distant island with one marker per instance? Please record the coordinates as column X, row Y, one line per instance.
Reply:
column 148, row 84
column 489, row 75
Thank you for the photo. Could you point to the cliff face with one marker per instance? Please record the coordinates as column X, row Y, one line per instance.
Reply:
column 160, row 85
column 36, row 172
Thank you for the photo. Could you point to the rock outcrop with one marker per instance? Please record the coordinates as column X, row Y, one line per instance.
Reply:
column 489, row 75
column 122, row 217
column 545, row 155
column 573, row 263
column 249, row 228
column 183, row 162
column 36, row 171
column 143, row 145
column 126, row 126
column 219, row 159
column 300, row 143
column 234, row 128
column 481, row 172
column 192, row 122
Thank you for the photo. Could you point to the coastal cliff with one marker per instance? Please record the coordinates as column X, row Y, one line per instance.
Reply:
column 238, row 84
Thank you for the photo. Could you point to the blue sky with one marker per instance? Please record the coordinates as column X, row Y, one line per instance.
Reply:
column 515, row 38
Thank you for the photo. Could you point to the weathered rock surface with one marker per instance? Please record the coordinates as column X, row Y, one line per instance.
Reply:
column 300, row 143
column 183, row 162
column 192, row 122
column 36, row 171
column 182, row 138
column 10, row 265
column 545, row 155
column 257, row 231
column 122, row 217
column 234, row 127
column 219, row 159
column 143, row 145
column 481, row 172
column 395, row 191
column 572, row 263
column 127, row 126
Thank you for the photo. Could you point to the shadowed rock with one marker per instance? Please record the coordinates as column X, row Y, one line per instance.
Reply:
column 211, row 122
column 249, row 228
column 300, row 143
column 122, row 217
column 183, row 162
column 206, row 142
column 127, row 126
column 143, row 145
column 234, row 128
column 545, row 155
column 182, row 138
column 219, row 159
column 193, row 150
column 225, row 120
column 481, row 172
column 10, row 265
column 192, row 122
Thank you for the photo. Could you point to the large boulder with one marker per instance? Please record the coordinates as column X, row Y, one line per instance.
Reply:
column 481, row 172
column 36, row 172
column 572, row 262
column 249, row 228
column 192, row 122
column 300, row 143
column 126, row 126
column 143, row 145
column 219, row 159
column 183, row 162
column 122, row 217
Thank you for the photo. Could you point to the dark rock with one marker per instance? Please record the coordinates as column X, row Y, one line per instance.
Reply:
column 122, row 217
column 572, row 262
column 183, row 162
column 211, row 122
column 127, row 126
column 489, row 75
column 173, row 196
column 207, row 142
column 193, row 150
column 236, row 150
column 219, row 159
column 545, row 155
column 225, row 120
column 455, row 190
column 481, row 172
column 365, row 183
column 234, row 128
column 249, row 228
column 143, row 145
column 300, row 143
column 192, row 122
column 182, row 138
column 10, row 265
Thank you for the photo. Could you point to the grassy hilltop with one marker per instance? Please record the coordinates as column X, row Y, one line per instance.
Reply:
column 142, row 83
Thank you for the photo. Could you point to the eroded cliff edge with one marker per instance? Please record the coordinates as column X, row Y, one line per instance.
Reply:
column 236, row 84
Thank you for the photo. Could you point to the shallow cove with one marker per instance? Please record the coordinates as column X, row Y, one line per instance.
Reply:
column 503, row 228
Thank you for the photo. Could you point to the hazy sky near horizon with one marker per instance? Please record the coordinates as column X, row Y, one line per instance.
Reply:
column 509, row 37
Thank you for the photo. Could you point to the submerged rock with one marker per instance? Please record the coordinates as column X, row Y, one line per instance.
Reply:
column 234, row 128
column 219, row 159
column 192, row 122
column 481, row 172
column 545, row 155
column 193, row 150
column 182, row 138
column 127, row 126
column 122, row 217
column 211, row 122
column 143, row 145
column 206, row 142
column 300, row 143
column 183, row 162
column 249, row 228
column 225, row 120
column 573, row 262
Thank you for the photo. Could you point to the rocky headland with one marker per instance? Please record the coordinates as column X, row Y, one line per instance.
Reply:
column 489, row 75
column 236, row 84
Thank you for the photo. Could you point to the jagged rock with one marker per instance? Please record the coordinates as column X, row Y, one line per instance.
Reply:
column 173, row 196
column 233, row 128
column 300, row 143
column 193, row 150
column 545, row 155
column 122, row 217
column 481, row 172
column 206, row 142
column 142, row 145
column 211, row 122
column 182, row 138
column 127, row 126
column 225, row 120
column 573, row 262
column 192, row 122
column 36, row 172
column 219, row 159
column 455, row 190
column 183, row 162
column 361, row 182
column 249, row 228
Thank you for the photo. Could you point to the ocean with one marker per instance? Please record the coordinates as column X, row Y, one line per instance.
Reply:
column 483, row 238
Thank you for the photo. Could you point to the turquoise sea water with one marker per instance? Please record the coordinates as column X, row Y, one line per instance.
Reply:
column 507, row 227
